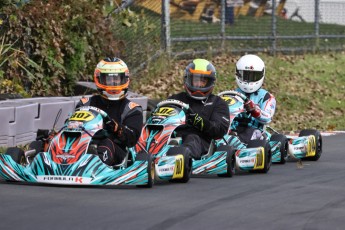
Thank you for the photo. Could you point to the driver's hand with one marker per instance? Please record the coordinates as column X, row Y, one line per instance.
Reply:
column 112, row 126
column 249, row 106
column 195, row 120
column 252, row 108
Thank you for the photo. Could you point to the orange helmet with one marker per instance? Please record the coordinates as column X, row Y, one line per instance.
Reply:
column 112, row 78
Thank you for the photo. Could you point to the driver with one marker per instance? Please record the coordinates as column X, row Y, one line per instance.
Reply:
column 111, row 77
column 208, row 117
column 259, row 110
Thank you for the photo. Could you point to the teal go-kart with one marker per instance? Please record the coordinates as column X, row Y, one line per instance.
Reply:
column 308, row 145
column 172, row 161
column 70, row 157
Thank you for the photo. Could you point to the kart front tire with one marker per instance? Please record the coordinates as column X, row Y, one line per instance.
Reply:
column 267, row 152
column 230, row 161
column 187, row 165
column 150, row 170
column 318, row 142
column 284, row 145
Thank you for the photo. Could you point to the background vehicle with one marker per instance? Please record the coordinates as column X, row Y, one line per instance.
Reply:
column 71, row 157
column 308, row 145
column 256, row 156
column 172, row 161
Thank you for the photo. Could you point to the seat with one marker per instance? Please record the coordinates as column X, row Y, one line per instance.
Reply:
column 210, row 151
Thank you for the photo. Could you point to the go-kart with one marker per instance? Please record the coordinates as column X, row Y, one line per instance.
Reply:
column 308, row 145
column 172, row 161
column 70, row 156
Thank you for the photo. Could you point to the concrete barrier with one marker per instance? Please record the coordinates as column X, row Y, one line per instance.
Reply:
column 21, row 118
column 19, row 126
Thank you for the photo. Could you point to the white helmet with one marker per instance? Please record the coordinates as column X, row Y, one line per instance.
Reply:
column 250, row 73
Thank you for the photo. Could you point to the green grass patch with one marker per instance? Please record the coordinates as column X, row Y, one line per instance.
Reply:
column 309, row 88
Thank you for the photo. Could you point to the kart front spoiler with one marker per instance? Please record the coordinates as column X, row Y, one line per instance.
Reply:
column 88, row 170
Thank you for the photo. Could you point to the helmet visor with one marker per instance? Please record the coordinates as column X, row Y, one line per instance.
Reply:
column 113, row 79
column 199, row 80
column 249, row 76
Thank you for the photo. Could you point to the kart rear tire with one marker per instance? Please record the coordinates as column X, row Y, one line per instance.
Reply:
column 17, row 155
column 187, row 165
column 267, row 151
column 150, row 169
column 37, row 145
column 283, row 147
column 318, row 142
column 230, row 160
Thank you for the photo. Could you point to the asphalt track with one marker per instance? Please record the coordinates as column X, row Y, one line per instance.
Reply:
column 288, row 197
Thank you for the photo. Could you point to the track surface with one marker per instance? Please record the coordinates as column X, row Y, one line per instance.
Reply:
column 288, row 197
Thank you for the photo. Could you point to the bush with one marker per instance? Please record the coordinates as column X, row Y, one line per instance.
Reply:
column 54, row 43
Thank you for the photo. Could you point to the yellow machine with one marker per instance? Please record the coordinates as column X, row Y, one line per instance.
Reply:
column 206, row 9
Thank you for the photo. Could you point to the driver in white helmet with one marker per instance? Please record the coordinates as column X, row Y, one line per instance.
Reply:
column 259, row 110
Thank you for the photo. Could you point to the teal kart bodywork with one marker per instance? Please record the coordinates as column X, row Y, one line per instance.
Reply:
column 308, row 145
column 69, row 159
column 173, row 161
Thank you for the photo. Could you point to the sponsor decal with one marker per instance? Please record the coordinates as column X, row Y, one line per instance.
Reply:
column 105, row 155
column 74, row 124
column 247, row 161
column 65, row 156
column 132, row 105
column 84, row 100
column 165, row 170
column 63, row 179
column 298, row 148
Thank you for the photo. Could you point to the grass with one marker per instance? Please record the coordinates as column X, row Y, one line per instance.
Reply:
column 309, row 88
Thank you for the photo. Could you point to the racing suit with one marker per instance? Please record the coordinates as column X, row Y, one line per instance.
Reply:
column 129, row 117
column 248, row 127
column 215, row 114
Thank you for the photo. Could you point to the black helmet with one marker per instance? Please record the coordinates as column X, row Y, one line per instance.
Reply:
column 199, row 79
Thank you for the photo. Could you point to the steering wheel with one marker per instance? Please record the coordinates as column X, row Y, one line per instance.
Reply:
column 178, row 103
column 234, row 93
column 104, row 115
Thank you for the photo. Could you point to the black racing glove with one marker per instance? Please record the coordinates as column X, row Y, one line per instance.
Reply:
column 195, row 120
column 111, row 126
